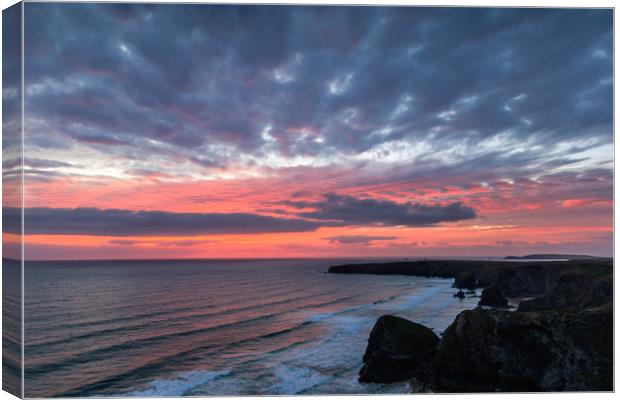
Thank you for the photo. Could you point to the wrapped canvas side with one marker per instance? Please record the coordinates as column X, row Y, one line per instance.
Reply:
column 12, row 211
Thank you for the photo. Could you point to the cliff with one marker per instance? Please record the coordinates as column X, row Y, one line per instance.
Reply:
column 571, row 257
column 514, row 279
column 562, row 340
column 495, row 350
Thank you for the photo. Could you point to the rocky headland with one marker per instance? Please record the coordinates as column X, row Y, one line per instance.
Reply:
column 560, row 340
column 552, row 256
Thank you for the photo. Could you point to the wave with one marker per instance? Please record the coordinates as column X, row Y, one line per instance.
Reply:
column 294, row 379
column 288, row 383
column 102, row 352
column 178, row 386
column 40, row 314
column 38, row 323
column 304, row 369
column 176, row 321
column 305, row 336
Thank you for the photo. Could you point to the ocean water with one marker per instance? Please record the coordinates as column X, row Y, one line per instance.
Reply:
column 213, row 327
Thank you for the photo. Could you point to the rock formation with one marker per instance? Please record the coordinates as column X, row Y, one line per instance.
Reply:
column 466, row 280
column 495, row 350
column 493, row 297
column 397, row 349
column 561, row 340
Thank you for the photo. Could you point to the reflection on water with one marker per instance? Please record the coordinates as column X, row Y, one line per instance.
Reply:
column 212, row 327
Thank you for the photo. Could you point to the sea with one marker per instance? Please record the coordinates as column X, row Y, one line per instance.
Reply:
column 213, row 327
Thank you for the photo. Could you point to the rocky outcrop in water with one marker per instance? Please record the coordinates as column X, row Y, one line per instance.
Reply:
column 493, row 297
column 466, row 280
column 397, row 349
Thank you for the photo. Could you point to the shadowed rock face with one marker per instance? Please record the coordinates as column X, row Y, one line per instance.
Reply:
column 573, row 290
column 494, row 350
column 466, row 280
column 497, row 350
column 521, row 280
column 397, row 349
column 493, row 297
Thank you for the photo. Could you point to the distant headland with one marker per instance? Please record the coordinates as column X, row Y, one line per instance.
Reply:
column 569, row 257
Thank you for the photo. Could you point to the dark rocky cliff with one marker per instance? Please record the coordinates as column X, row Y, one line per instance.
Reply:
column 562, row 340
column 514, row 279
column 494, row 350
column 397, row 349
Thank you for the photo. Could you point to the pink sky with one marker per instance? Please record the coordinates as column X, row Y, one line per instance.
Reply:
column 200, row 131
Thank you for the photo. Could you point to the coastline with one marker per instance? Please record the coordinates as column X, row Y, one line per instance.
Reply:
column 558, row 339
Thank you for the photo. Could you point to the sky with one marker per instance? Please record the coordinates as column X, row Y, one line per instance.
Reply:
column 179, row 131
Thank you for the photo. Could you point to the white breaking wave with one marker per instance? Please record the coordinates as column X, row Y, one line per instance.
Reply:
column 327, row 364
column 180, row 385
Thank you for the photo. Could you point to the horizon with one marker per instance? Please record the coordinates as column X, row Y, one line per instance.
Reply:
column 345, row 257
column 258, row 132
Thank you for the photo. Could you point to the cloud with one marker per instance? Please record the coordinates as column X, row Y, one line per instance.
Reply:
column 333, row 210
column 35, row 163
column 160, row 243
column 416, row 104
column 111, row 222
column 350, row 210
column 355, row 239
column 569, row 203
column 340, row 97
column 510, row 243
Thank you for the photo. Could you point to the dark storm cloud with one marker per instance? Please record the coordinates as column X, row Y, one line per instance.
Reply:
column 349, row 210
column 327, row 80
column 109, row 222
column 357, row 239
column 332, row 210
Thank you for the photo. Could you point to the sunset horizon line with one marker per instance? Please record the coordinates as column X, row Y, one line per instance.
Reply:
column 395, row 258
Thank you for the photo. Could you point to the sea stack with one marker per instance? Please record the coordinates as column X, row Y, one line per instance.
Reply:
column 397, row 349
column 493, row 296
